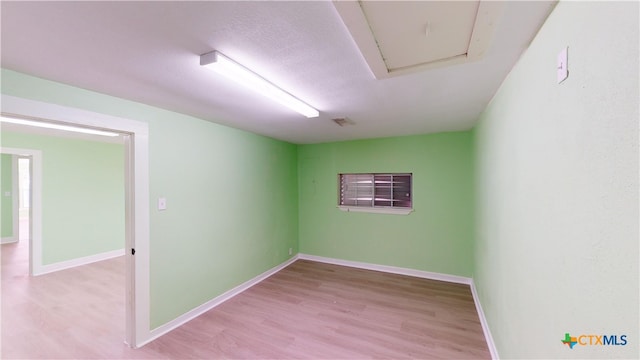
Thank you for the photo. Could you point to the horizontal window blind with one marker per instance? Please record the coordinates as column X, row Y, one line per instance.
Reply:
column 375, row 190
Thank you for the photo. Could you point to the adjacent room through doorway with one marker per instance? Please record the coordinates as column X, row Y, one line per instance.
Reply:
column 68, row 286
column 24, row 198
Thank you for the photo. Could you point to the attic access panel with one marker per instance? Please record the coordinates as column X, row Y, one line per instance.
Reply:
column 399, row 37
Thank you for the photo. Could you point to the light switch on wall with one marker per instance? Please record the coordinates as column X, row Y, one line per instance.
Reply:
column 162, row 204
column 563, row 65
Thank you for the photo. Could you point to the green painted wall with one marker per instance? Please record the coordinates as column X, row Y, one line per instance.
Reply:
column 232, row 197
column 436, row 237
column 82, row 195
column 557, row 189
column 232, row 211
column 6, row 202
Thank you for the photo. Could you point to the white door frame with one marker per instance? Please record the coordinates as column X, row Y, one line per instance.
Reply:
column 136, row 194
column 35, row 210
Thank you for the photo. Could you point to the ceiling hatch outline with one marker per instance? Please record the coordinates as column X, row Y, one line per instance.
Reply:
column 410, row 31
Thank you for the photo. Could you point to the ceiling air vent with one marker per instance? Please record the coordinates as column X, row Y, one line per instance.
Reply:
column 343, row 121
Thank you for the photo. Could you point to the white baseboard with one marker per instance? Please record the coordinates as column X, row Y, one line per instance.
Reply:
column 192, row 314
column 483, row 322
column 46, row 269
column 390, row 269
column 8, row 240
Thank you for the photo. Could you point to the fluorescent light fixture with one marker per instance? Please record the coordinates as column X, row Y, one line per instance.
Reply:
column 234, row 71
column 47, row 125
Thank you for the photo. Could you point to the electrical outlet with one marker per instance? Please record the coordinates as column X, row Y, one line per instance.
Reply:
column 162, row 204
column 290, row 251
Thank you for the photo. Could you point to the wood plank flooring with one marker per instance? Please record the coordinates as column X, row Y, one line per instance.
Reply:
column 71, row 314
column 308, row 310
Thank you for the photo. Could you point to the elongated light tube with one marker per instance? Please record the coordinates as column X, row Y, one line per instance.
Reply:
column 234, row 71
column 56, row 126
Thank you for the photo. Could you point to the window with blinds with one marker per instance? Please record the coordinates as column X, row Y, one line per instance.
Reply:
column 375, row 190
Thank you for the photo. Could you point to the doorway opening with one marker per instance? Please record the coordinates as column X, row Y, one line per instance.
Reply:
column 62, row 171
column 24, row 199
column 136, row 146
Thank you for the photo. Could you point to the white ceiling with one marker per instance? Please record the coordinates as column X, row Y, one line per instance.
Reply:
column 433, row 33
column 149, row 52
column 450, row 24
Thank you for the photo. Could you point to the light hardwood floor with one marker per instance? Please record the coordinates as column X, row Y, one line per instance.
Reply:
column 76, row 313
column 308, row 310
